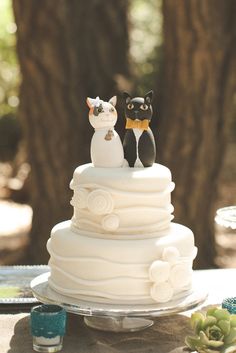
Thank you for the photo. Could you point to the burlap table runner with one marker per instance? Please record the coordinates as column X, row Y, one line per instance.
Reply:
column 166, row 335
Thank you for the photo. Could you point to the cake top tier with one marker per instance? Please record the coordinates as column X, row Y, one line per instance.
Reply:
column 152, row 179
column 122, row 201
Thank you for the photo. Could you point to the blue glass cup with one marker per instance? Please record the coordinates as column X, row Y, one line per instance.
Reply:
column 230, row 305
column 48, row 325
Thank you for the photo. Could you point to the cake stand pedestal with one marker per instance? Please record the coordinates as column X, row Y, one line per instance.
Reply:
column 120, row 317
column 117, row 324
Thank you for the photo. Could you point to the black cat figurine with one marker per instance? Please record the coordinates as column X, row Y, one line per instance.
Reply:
column 139, row 143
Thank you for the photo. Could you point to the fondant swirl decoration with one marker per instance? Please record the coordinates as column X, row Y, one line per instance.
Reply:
column 110, row 222
column 100, row 202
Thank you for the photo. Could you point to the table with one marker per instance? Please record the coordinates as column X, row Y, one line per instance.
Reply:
column 165, row 336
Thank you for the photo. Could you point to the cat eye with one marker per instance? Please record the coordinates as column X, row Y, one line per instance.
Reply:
column 100, row 109
column 112, row 110
column 144, row 107
column 130, row 106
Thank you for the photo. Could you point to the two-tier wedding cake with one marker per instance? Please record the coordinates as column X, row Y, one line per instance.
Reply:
column 121, row 245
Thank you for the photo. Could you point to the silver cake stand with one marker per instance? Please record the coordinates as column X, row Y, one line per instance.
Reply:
column 116, row 318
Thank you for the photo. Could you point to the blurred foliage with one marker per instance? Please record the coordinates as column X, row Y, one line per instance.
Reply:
column 9, row 69
column 146, row 43
column 10, row 132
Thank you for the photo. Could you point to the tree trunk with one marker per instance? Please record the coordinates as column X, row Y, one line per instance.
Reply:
column 197, row 103
column 68, row 50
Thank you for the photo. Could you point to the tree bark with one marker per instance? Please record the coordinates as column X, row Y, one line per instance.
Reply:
column 68, row 50
column 197, row 103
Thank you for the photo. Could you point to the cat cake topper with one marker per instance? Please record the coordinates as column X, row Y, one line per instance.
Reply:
column 106, row 148
column 139, row 143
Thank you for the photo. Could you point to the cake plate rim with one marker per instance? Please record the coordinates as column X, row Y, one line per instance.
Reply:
column 115, row 317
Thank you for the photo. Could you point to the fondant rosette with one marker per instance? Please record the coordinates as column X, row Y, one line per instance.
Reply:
column 170, row 274
column 110, row 222
column 100, row 202
column 162, row 292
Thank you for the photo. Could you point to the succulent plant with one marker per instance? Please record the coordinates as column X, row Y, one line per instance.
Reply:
column 215, row 331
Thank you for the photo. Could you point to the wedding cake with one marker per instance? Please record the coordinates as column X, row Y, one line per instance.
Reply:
column 121, row 246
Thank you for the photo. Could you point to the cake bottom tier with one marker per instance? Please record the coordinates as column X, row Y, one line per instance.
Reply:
column 143, row 270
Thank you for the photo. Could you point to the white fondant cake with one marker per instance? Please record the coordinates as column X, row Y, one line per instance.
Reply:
column 121, row 246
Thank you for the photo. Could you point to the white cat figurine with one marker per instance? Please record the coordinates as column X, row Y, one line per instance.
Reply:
column 106, row 147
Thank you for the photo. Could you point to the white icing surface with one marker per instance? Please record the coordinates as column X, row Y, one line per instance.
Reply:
column 79, row 199
column 170, row 254
column 152, row 179
column 140, row 198
column 113, row 269
column 180, row 275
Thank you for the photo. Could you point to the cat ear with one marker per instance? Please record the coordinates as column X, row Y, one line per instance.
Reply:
column 127, row 97
column 90, row 102
column 113, row 101
column 148, row 97
column 93, row 102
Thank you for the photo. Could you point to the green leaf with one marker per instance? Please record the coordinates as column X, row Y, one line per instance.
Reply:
column 215, row 328
column 205, row 340
column 209, row 321
column 215, row 344
column 231, row 337
column 196, row 321
column 228, row 349
column 210, row 311
column 233, row 320
column 221, row 314
column 224, row 326
column 192, row 342
column 203, row 337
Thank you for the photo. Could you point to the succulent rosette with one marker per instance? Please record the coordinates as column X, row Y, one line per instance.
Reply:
column 214, row 331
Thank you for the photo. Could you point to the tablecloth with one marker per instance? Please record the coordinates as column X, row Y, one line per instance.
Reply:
column 166, row 335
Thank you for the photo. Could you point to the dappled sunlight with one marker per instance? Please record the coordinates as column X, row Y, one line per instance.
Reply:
column 9, row 70
column 15, row 225
column 15, row 218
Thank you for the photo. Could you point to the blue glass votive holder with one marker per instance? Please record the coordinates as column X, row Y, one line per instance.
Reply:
column 48, row 326
column 230, row 305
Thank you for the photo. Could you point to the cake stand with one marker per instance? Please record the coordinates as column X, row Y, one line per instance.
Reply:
column 120, row 317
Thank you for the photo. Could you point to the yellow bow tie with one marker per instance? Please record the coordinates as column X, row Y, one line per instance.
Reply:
column 137, row 124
